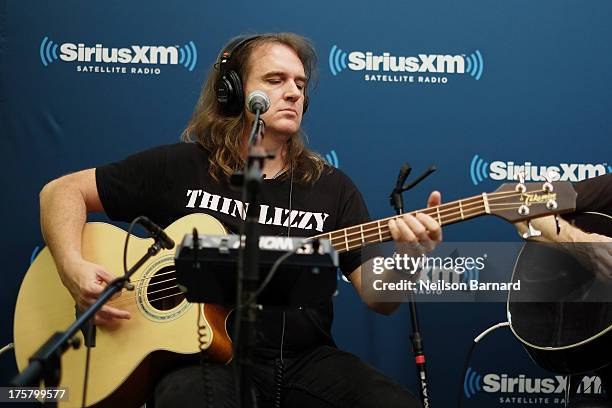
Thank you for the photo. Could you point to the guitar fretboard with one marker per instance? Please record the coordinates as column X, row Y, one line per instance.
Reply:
column 348, row 239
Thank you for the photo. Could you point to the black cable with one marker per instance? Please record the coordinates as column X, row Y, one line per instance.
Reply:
column 272, row 272
column 468, row 357
column 466, row 365
column 127, row 239
column 279, row 373
column 279, row 363
column 279, row 370
column 90, row 329
column 290, row 194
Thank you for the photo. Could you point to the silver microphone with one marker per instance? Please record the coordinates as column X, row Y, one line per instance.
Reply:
column 258, row 101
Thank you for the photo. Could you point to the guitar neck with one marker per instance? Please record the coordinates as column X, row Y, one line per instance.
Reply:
column 348, row 239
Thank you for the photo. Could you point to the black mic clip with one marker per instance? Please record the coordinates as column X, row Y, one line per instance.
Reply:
column 157, row 233
column 395, row 198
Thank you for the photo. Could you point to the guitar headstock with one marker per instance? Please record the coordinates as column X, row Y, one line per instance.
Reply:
column 522, row 201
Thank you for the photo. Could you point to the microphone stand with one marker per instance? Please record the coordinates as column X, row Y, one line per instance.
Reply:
column 397, row 202
column 45, row 363
column 248, row 266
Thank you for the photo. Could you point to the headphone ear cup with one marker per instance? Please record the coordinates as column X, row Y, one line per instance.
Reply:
column 223, row 90
column 237, row 102
column 230, row 94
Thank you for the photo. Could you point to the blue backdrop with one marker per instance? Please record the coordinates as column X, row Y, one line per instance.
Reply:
column 482, row 87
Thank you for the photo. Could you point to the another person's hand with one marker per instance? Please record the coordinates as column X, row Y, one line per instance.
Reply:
column 594, row 251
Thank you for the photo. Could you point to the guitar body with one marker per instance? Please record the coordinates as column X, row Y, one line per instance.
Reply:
column 570, row 330
column 126, row 359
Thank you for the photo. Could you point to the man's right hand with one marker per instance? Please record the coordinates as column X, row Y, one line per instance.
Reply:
column 64, row 205
column 85, row 282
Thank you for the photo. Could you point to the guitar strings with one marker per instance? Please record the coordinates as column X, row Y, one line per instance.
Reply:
column 447, row 218
column 342, row 241
column 464, row 204
column 358, row 241
column 451, row 207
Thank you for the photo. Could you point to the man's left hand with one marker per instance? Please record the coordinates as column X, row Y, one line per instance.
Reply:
column 418, row 234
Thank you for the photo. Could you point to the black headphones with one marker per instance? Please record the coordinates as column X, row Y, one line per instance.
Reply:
column 229, row 88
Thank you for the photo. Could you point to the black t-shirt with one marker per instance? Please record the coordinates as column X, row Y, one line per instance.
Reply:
column 171, row 181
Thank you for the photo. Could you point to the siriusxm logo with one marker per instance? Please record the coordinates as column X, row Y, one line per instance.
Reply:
column 332, row 159
column 473, row 383
column 500, row 170
column 472, row 64
column 185, row 55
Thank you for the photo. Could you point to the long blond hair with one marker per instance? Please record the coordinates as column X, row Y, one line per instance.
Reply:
column 222, row 135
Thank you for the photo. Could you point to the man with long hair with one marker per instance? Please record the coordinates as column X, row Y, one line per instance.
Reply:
column 296, row 360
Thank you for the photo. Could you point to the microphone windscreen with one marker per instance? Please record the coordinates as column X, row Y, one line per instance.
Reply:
column 258, row 100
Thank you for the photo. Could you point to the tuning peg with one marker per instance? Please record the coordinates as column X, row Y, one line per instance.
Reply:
column 531, row 231
column 520, row 187
column 523, row 210
column 551, row 205
column 548, row 187
column 557, row 224
column 549, row 176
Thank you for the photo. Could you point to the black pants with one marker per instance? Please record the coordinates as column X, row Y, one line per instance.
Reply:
column 324, row 377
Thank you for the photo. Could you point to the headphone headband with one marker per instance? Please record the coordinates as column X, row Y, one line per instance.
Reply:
column 226, row 54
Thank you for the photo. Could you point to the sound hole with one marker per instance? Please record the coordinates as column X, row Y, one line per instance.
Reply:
column 162, row 292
